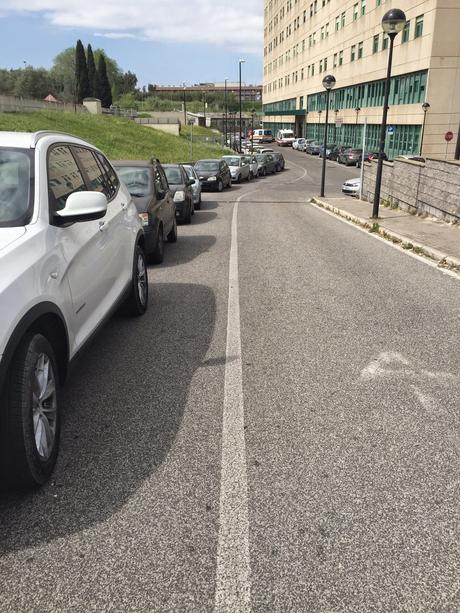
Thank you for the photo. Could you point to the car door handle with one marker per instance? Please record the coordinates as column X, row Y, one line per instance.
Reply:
column 124, row 205
column 102, row 226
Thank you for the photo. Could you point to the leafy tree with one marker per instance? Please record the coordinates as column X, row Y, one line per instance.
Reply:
column 81, row 72
column 126, row 83
column 92, row 72
column 105, row 93
column 34, row 83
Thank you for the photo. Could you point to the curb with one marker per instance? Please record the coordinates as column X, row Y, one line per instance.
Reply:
column 443, row 260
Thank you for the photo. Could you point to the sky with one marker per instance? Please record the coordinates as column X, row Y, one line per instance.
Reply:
column 163, row 41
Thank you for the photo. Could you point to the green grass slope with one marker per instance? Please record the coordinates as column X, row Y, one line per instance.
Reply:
column 117, row 137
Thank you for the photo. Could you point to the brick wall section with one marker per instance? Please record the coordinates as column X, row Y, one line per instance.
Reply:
column 433, row 187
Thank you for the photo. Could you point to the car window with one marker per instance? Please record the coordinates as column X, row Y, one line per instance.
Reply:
column 163, row 179
column 158, row 183
column 207, row 165
column 137, row 179
column 16, row 181
column 110, row 175
column 233, row 161
column 94, row 174
column 64, row 176
column 173, row 174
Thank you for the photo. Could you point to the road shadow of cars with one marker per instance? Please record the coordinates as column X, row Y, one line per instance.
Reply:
column 123, row 409
column 187, row 249
column 203, row 216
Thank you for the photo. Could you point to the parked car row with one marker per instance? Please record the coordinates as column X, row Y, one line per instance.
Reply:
column 76, row 234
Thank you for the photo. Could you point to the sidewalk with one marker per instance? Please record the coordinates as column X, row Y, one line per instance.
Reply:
column 433, row 238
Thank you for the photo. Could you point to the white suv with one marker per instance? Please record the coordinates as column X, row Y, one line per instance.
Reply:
column 71, row 251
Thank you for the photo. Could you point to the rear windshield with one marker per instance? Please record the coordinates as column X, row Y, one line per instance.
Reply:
column 136, row 179
column 173, row 174
column 207, row 165
column 232, row 161
column 190, row 172
column 16, row 186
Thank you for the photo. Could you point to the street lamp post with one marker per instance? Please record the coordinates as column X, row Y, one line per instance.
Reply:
column 335, row 125
column 392, row 23
column 204, row 109
column 328, row 84
column 425, row 107
column 225, row 111
column 241, row 121
column 185, row 107
column 319, row 123
column 253, row 112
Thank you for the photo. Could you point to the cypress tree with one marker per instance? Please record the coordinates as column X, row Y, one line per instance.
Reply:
column 92, row 73
column 105, row 93
column 81, row 73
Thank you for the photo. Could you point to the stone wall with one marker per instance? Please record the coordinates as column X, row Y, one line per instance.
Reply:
column 433, row 187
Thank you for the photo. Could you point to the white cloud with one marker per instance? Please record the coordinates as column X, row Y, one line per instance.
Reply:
column 236, row 24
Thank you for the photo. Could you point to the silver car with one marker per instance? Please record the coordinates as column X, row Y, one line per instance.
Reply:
column 239, row 169
column 196, row 187
column 253, row 165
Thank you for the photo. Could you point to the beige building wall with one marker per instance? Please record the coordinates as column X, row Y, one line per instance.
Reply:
column 437, row 50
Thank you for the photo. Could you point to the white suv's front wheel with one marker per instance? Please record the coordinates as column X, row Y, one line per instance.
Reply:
column 137, row 300
column 31, row 423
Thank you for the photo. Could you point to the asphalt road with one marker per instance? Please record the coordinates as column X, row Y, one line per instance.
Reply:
column 281, row 438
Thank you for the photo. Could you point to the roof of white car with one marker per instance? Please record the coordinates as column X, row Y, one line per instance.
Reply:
column 28, row 140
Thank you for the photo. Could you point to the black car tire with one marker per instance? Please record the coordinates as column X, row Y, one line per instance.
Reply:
column 219, row 185
column 156, row 257
column 21, row 464
column 197, row 206
column 136, row 304
column 278, row 168
column 188, row 215
column 172, row 236
column 192, row 206
column 248, row 177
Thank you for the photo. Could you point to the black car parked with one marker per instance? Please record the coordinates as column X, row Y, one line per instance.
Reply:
column 147, row 184
column 370, row 155
column 334, row 154
column 279, row 159
column 266, row 163
column 181, row 187
column 213, row 174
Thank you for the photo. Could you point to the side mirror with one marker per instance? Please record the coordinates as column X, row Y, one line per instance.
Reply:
column 190, row 182
column 82, row 206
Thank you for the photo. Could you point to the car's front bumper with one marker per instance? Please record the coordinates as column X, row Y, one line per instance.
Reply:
column 205, row 184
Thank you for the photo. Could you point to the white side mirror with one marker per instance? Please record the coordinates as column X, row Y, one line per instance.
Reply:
column 82, row 206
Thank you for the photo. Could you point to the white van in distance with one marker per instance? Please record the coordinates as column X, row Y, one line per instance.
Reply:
column 285, row 138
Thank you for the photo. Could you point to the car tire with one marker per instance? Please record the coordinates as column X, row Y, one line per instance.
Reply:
column 229, row 184
column 137, row 301
column 248, row 178
column 30, row 422
column 188, row 216
column 156, row 257
column 192, row 206
column 172, row 236
column 219, row 185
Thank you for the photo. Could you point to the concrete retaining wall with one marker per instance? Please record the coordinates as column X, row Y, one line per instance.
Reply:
column 15, row 104
column 433, row 187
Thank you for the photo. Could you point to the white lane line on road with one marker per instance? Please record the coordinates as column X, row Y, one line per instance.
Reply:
column 233, row 581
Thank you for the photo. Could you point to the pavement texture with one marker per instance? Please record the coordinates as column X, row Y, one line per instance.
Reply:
column 350, row 376
column 435, row 238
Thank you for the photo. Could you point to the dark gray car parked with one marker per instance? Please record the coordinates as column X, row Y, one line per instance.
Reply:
column 213, row 174
column 181, row 187
column 267, row 163
column 147, row 184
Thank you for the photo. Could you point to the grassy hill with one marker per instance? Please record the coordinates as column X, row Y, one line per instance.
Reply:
column 117, row 137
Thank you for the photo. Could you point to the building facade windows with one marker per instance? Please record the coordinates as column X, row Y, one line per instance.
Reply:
column 418, row 26
column 340, row 58
column 405, row 32
column 352, row 53
column 363, row 7
column 360, row 50
column 385, row 42
column 342, row 19
column 355, row 11
column 375, row 43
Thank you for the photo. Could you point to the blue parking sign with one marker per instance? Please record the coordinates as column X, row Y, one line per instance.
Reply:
column 390, row 129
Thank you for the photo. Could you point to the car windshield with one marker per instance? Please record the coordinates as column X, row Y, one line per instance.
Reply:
column 190, row 172
column 173, row 174
column 260, row 157
column 287, row 135
column 207, row 165
column 16, row 178
column 232, row 161
column 136, row 179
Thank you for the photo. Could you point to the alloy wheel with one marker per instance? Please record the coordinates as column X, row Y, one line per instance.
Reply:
column 44, row 406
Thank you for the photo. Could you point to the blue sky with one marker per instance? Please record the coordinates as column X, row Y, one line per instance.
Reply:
column 35, row 31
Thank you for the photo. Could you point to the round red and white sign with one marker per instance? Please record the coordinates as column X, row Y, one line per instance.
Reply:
column 448, row 136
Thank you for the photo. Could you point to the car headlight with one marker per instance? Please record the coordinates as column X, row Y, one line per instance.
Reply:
column 212, row 178
column 144, row 217
column 179, row 196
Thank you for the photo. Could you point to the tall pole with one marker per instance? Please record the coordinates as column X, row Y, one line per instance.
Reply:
column 425, row 107
column 323, row 173
column 241, row 120
column 225, row 112
column 185, row 109
column 204, row 108
column 383, row 129
column 362, row 159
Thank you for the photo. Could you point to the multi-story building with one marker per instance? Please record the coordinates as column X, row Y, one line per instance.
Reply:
column 304, row 40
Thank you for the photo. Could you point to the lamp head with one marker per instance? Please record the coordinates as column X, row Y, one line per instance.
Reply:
column 425, row 106
column 328, row 82
column 393, row 21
